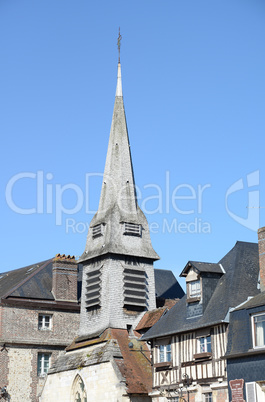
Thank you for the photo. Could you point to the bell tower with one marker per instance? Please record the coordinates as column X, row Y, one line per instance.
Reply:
column 118, row 275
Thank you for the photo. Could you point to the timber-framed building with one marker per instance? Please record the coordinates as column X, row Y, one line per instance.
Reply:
column 189, row 343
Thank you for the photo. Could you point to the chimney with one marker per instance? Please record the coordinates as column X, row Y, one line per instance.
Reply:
column 64, row 278
column 261, row 242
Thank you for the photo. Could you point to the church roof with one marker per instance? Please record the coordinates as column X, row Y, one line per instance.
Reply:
column 151, row 317
column 112, row 345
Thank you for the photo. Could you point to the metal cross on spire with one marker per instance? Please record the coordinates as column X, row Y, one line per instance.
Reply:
column 119, row 44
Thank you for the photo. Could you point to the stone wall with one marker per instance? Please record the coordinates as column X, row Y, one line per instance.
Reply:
column 21, row 324
column 102, row 383
column 23, row 341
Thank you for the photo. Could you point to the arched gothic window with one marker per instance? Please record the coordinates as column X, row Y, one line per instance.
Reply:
column 78, row 390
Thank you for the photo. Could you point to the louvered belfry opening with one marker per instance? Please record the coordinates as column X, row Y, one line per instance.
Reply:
column 135, row 289
column 97, row 230
column 132, row 229
column 93, row 288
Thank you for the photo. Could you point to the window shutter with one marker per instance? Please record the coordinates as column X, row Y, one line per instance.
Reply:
column 251, row 392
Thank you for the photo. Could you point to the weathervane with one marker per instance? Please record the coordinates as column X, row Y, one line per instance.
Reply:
column 119, row 44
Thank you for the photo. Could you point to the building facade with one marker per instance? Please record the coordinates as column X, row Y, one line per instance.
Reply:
column 39, row 317
column 189, row 343
column 246, row 342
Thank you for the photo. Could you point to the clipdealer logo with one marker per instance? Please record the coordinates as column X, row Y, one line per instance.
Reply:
column 181, row 205
column 253, row 200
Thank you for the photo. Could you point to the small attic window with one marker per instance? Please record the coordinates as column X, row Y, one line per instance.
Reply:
column 132, row 229
column 97, row 231
column 194, row 288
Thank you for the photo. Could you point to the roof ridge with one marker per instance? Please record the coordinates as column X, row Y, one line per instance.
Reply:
column 27, row 266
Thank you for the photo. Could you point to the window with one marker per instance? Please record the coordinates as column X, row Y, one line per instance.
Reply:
column 208, row 397
column 43, row 363
column 45, row 321
column 195, row 288
column 259, row 330
column 164, row 353
column 204, row 344
column 79, row 392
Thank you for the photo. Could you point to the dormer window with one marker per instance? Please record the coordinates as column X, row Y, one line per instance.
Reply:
column 258, row 330
column 132, row 229
column 194, row 289
column 97, row 230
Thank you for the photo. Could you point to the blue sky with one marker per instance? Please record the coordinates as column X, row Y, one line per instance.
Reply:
column 194, row 94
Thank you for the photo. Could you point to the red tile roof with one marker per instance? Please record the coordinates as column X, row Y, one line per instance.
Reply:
column 151, row 317
column 135, row 364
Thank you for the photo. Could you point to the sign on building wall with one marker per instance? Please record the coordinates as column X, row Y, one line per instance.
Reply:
column 237, row 390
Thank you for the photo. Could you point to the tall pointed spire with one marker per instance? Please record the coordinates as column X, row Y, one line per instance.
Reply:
column 118, row 212
column 118, row 202
column 118, row 183
column 119, row 86
column 118, row 259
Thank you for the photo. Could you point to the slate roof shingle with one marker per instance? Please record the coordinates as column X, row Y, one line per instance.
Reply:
column 202, row 267
column 32, row 282
column 240, row 281
column 35, row 282
column 167, row 286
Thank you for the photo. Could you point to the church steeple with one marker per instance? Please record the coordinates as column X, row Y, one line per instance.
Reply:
column 118, row 183
column 118, row 274
column 118, row 217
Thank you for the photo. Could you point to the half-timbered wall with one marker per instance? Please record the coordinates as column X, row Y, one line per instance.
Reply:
column 185, row 359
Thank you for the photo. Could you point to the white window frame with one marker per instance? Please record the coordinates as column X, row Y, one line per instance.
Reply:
column 164, row 353
column 194, row 288
column 254, row 332
column 208, row 397
column 42, row 356
column 42, row 322
column 204, row 342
